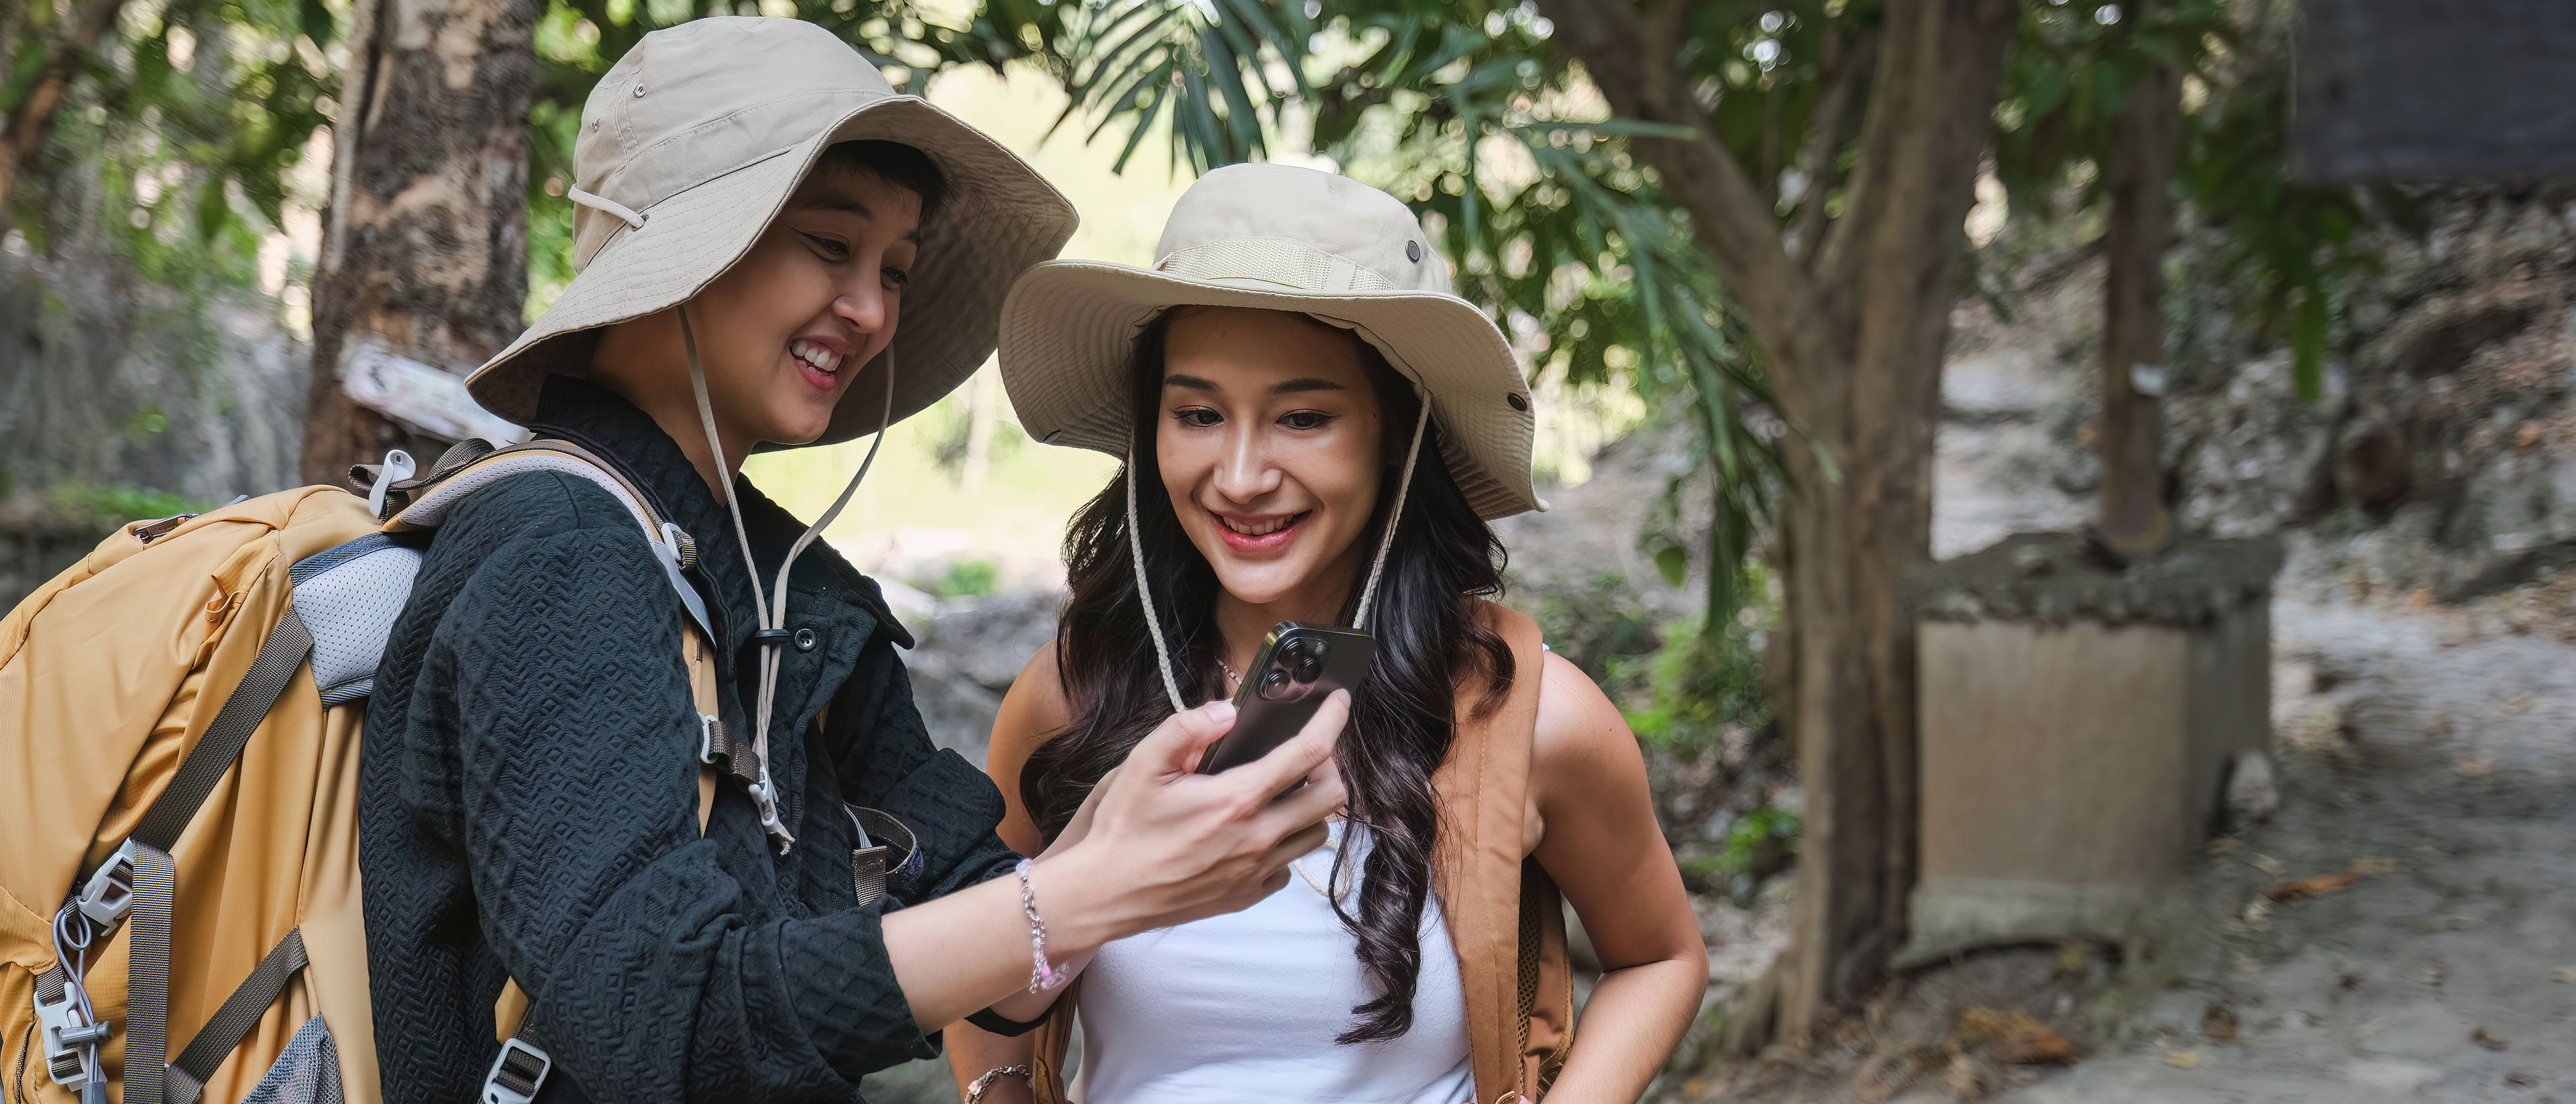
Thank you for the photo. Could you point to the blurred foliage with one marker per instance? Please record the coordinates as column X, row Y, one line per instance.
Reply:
column 175, row 146
column 1760, row 843
column 973, row 578
column 1700, row 682
column 1466, row 111
column 1715, row 754
column 2290, row 248
column 191, row 119
column 1716, row 758
column 1595, row 625
column 105, row 508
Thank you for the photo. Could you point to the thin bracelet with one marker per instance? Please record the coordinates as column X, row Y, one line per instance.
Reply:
column 975, row 1092
column 1042, row 974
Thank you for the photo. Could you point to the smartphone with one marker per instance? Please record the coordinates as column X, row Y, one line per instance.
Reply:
column 1299, row 665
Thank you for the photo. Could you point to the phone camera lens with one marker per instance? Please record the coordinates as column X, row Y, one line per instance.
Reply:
column 1274, row 684
column 1294, row 649
column 1308, row 666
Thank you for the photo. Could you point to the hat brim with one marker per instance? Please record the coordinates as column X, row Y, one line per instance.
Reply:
column 998, row 219
column 1069, row 338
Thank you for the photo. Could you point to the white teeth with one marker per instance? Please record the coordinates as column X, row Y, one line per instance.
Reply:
column 815, row 356
column 1259, row 529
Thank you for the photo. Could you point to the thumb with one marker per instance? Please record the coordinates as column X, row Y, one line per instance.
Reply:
column 1174, row 746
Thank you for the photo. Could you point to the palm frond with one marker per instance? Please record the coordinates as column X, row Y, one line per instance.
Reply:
column 1583, row 258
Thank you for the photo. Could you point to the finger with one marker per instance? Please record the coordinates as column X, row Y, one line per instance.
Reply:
column 1299, row 843
column 1323, row 795
column 1313, row 744
column 1321, row 786
column 1173, row 747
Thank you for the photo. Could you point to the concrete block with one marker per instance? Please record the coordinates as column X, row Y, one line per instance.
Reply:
column 2071, row 767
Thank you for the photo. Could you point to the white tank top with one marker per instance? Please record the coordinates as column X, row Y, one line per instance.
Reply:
column 1244, row 1007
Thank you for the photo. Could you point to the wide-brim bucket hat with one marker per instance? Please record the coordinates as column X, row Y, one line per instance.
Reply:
column 690, row 146
column 1277, row 237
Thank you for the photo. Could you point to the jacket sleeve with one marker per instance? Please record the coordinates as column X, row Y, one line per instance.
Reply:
column 652, row 972
column 885, row 761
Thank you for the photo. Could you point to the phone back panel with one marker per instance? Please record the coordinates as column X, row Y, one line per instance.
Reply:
column 1299, row 665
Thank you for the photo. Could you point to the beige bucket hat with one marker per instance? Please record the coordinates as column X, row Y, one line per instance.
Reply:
column 1277, row 237
column 692, row 143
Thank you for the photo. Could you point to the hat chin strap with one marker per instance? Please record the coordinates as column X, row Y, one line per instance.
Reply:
column 1368, row 592
column 772, row 621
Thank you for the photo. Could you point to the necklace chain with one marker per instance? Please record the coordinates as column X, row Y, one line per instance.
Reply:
column 1229, row 672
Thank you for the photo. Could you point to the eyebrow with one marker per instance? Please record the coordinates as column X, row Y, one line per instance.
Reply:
column 1285, row 387
column 836, row 201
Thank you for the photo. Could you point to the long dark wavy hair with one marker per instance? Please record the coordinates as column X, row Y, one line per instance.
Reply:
column 1444, row 561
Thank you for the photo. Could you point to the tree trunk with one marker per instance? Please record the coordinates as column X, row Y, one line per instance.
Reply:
column 32, row 120
column 425, row 248
column 1853, row 330
column 2136, row 521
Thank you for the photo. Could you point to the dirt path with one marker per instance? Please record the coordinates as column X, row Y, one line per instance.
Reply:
column 2432, row 749
column 2437, row 759
column 2427, row 751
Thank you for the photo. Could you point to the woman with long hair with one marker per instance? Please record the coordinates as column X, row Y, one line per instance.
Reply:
column 1316, row 430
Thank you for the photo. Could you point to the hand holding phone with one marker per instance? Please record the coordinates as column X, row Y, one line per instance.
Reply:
column 1298, row 666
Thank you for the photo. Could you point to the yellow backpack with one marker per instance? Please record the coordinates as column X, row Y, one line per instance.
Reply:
column 179, row 734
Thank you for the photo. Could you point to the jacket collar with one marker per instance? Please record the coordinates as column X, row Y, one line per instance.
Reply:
column 605, row 423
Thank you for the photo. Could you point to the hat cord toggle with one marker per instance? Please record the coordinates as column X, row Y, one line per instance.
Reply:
column 1368, row 592
column 628, row 215
column 772, row 623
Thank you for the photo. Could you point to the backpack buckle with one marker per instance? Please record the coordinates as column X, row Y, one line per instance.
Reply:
column 109, row 894
column 707, row 738
column 70, row 1037
column 398, row 466
column 517, row 1073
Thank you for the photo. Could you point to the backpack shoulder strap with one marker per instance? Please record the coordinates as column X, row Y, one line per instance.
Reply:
column 1503, row 914
column 431, row 497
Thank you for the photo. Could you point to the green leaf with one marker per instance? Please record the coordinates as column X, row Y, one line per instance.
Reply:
column 2308, row 344
column 1674, row 561
column 1610, row 127
column 315, row 21
column 213, row 209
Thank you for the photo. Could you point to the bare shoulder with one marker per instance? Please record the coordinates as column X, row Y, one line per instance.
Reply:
column 1041, row 679
column 1581, row 737
column 1035, row 705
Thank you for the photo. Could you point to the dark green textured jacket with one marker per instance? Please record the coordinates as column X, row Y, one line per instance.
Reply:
column 530, row 799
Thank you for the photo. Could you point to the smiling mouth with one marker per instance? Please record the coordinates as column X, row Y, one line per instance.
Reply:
column 1261, row 528
column 813, row 355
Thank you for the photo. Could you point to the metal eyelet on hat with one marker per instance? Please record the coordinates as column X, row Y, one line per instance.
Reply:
column 1412, row 249
column 1519, row 401
column 639, row 91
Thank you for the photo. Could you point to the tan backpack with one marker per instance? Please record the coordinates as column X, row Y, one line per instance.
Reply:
column 179, row 735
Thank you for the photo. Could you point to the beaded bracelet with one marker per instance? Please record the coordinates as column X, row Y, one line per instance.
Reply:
column 1042, row 974
column 975, row 1092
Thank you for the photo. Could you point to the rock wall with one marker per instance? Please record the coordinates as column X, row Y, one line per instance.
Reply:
column 2440, row 457
column 109, row 380
column 114, row 389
